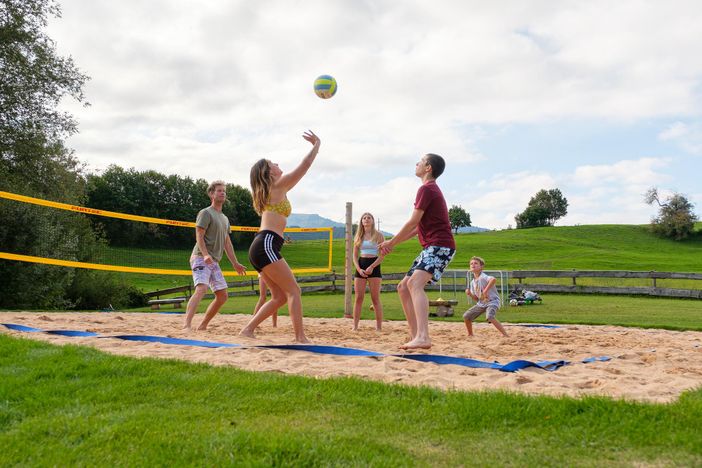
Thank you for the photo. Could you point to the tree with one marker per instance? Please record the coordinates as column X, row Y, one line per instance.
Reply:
column 675, row 219
column 458, row 217
column 150, row 193
column 544, row 209
column 34, row 161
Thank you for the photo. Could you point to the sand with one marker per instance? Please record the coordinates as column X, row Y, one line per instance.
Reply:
column 647, row 364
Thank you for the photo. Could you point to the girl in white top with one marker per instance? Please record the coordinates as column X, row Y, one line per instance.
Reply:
column 367, row 261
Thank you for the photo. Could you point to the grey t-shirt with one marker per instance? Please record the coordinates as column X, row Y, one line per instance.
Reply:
column 477, row 285
column 216, row 226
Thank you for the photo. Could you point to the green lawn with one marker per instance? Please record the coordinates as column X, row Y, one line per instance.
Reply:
column 591, row 247
column 646, row 312
column 75, row 406
column 69, row 405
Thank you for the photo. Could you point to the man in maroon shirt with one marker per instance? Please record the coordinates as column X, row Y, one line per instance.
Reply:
column 430, row 221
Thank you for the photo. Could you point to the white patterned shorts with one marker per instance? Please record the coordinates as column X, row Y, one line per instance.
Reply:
column 433, row 260
column 207, row 274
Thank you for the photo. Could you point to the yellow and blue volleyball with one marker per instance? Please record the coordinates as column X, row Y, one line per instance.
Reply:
column 325, row 86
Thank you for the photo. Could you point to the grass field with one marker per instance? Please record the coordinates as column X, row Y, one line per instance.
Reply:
column 595, row 247
column 65, row 406
column 75, row 406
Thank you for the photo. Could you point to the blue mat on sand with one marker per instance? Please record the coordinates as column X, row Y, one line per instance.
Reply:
column 322, row 349
column 173, row 341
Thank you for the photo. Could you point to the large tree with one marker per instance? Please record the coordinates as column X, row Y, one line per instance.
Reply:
column 675, row 219
column 34, row 161
column 544, row 209
column 33, row 80
column 458, row 217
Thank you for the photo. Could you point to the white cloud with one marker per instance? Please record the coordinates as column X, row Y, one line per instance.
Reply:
column 687, row 135
column 205, row 89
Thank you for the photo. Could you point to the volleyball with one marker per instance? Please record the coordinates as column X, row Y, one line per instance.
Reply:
column 325, row 86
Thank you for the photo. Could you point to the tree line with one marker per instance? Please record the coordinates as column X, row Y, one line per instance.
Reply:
column 156, row 195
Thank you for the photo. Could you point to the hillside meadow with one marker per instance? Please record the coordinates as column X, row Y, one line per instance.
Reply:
column 591, row 247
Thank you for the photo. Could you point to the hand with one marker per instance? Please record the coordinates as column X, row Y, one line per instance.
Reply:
column 362, row 273
column 385, row 248
column 208, row 260
column 369, row 270
column 312, row 138
column 241, row 269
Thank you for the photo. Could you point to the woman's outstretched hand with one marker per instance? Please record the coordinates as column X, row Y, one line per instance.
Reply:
column 312, row 138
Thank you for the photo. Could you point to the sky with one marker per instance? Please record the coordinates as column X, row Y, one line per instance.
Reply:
column 599, row 99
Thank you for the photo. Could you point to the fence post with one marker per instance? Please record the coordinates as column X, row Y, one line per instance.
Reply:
column 348, row 281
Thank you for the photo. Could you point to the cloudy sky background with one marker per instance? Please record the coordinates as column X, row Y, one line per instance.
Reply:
column 599, row 99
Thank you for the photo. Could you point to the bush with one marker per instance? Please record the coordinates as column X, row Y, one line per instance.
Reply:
column 95, row 290
column 675, row 219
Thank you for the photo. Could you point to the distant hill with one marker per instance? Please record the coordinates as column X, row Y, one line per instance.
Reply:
column 305, row 220
column 468, row 229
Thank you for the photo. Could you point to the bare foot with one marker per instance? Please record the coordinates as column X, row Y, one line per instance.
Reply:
column 187, row 328
column 415, row 344
column 202, row 328
column 247, row 333
column 302, row 340
column 348, row 316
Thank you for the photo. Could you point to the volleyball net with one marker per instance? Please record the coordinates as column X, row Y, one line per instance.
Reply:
column 156, row 245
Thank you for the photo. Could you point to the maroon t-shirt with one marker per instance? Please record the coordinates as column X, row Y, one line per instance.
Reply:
column 434, row 228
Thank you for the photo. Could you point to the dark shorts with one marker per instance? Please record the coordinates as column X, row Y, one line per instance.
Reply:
column 365, row 263
column 265, row 249
column 433, row 260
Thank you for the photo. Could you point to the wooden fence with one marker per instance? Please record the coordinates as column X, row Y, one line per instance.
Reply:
column 455, row 281
column 573, row 287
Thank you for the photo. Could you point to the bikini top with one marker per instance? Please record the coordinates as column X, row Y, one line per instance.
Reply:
column 282, row 208
column 369, row 248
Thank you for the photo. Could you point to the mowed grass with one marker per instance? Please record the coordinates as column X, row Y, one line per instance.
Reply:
column 643, row 312
column 590, row 247
column 64, row 406
column 76, row 406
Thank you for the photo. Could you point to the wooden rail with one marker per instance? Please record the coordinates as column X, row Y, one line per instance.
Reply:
column 575, row 288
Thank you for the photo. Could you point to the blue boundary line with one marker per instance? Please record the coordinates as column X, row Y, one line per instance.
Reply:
column 512, row 366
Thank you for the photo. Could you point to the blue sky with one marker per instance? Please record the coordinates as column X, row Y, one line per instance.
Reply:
column 602, row 100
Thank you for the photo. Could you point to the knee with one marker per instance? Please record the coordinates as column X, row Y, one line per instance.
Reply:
column 294, row 293
column 415, row 284
column 221, row 296
column 402, row 287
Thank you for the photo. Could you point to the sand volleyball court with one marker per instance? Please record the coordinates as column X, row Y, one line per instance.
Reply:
column 645, row 365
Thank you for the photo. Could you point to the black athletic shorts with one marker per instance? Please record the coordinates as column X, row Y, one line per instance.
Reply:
column 365, row 262
column 265, row 249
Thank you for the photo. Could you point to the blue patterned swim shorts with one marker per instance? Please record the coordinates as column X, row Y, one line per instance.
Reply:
column 433, row 260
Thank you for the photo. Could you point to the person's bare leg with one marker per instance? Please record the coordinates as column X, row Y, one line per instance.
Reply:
column 359, row 287
column 279, row 276
column 420, row 302
column 213, row 308
column 498, row 325
column 469, row 326
column 194, row 301
column 375, row 284
column 407, row 306
column 268, row 309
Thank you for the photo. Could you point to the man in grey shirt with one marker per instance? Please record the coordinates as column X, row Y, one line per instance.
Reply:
column 211, row 241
